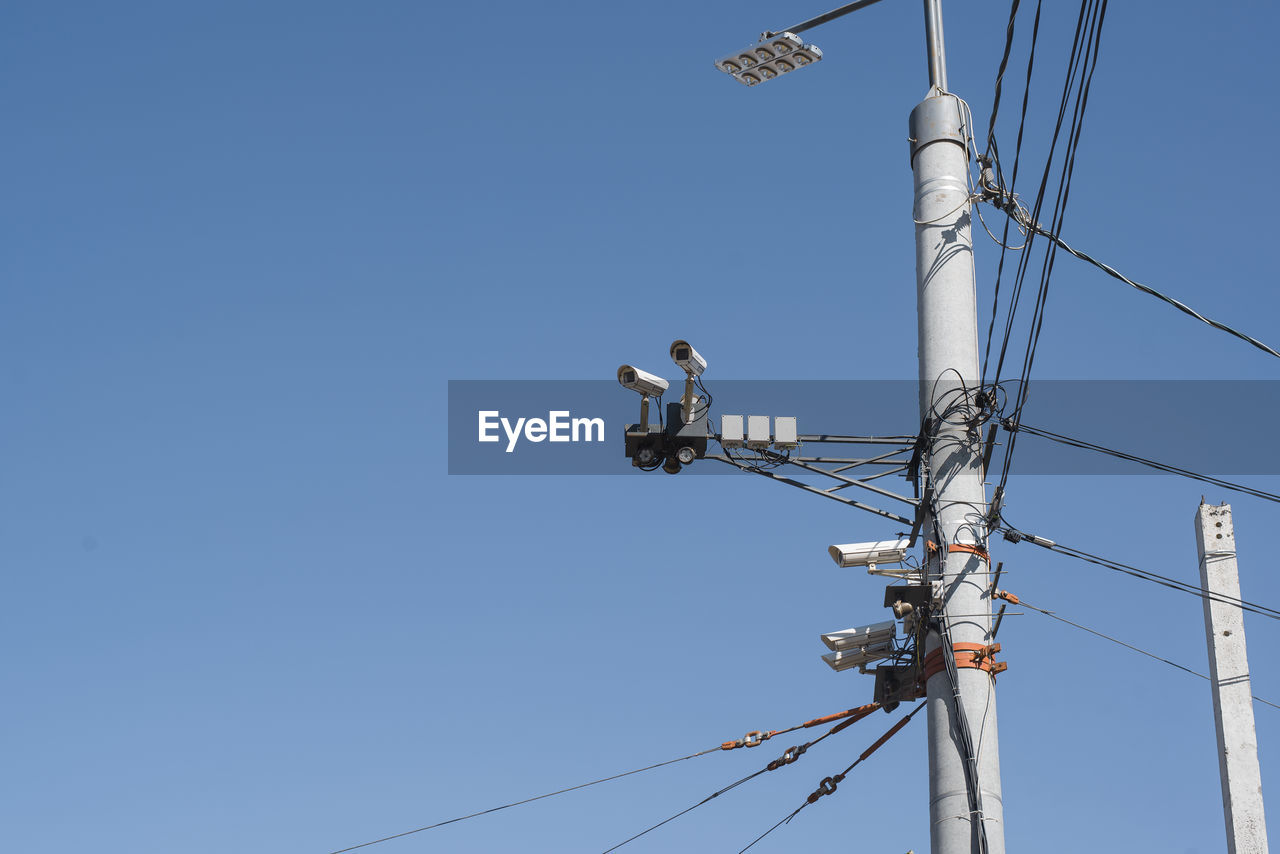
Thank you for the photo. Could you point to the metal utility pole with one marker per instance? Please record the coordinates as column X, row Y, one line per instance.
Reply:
column 965, row 807
column 1229, row 676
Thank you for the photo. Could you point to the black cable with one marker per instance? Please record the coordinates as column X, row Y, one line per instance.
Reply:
column 1024, row 260
column 1014, row 535
column 1079, row 61
column 1093, row 37
column 963, row 731
column 794, row 752
column 837, row 777
column 1004, row 64
column 525, row 801
column 1026, row 604
column 1165, row 467
column 964, row 734
column 1081, row 67
column 1181, row 306
column 1009, row 188
column 709, row 797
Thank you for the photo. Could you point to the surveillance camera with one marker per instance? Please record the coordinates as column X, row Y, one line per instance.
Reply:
column 860, row 657
column 874, row 635
column 860, row 646
column 869, row 554
column 687, row 358
column 641, row 382
column 671, row 466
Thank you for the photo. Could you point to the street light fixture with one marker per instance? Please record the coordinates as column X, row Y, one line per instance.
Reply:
column 769, row 58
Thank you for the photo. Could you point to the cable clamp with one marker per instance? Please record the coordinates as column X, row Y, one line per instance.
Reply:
column 791, row 754
column 752, row 739
column 826, row 787
column 1008, row 597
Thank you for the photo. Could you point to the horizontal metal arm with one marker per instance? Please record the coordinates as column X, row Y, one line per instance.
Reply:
column 854, row 482
column 856, row 461
column 857, row 440
column 822, row 19
column 791, row 482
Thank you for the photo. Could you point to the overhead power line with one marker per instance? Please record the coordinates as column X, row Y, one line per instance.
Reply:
column 994, row 154
column 1015, row 536
column 751, row 739
column 1004, row 64
column 829, row 784
column 1081, row 65
column 1016, row 600
column 788, row 757
column 1012, row 426
column 1030, row 225
column 525, row 801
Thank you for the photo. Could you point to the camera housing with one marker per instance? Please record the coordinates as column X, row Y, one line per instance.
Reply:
column 687, row 358
column 641, row 382
column 869, row 554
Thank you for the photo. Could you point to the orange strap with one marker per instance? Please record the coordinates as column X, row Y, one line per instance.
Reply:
column 974, row 656
column 857, row 714
column 973, row 550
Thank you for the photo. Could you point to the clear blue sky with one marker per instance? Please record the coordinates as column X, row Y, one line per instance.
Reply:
column 247, row 609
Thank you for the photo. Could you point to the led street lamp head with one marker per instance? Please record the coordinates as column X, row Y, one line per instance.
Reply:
column 869, row 554
column 770, row 58
column 687, row 358
column 641, row 382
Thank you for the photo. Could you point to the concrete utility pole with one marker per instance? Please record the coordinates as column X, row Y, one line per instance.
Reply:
column 1229, row 676
column 948, row 330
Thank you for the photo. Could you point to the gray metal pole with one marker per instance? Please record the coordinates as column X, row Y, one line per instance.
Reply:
column 1229, row 676
column 962, row 704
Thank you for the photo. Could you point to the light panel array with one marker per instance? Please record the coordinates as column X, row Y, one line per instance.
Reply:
column 769, row 58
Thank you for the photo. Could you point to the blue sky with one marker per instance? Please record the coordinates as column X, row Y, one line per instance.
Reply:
column 248, row 609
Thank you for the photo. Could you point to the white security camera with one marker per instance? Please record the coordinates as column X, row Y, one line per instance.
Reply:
column 869, row 554
column 687, row 358
column 872, row 635
column 641, row 382
column 859, row 647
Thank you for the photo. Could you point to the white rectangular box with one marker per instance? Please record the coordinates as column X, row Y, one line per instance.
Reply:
column 758, row 431
column 785, row 433
column 731, row 435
